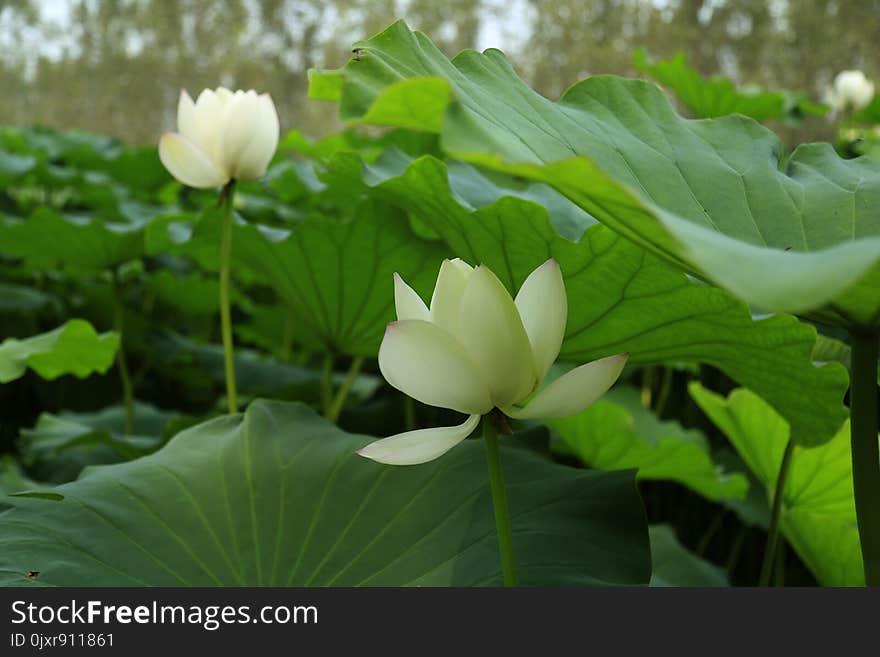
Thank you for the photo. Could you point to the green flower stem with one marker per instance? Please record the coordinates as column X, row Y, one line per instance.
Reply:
column 711, row 531
column 342, row 393
column 665, row 390
column 773, row 530
column 226, row 197
column 409, row 413
column 865, row 452
column 499, row 503
column 121, row 362
column 327, row 384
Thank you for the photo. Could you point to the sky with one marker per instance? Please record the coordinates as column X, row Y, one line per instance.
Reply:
column 505, row 24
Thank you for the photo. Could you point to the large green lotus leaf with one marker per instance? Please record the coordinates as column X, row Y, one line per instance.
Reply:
column 675, row 565
column 58, row 447
column 278, row 497
column 618, row 432
column 621, row 298
column 718, row 197
column 336, row 275
column 49, row 239
column 72, row 348
column 818, row 513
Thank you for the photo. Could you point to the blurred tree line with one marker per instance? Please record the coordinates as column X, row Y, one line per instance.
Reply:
column 116, row 67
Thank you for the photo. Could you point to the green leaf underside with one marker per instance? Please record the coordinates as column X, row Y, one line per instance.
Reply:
column 715, row 196
column 72, row 348
column 336, row 275
column 618, row 432
column 278, row 497
column 621, row 298
column 675, row 565
column 818, row 513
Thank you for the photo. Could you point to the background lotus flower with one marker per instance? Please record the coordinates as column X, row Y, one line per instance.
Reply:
column 221, row 136
column 851, row 90
column 224, row 137
column 476, row 349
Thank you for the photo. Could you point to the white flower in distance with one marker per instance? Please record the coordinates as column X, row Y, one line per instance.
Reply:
column 221, row 136
column 851, row 90
column 477, row 349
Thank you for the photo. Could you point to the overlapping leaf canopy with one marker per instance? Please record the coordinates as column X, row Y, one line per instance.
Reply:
column 276, row 496
column 721, row 198
column 336, row 277
column 620, row 297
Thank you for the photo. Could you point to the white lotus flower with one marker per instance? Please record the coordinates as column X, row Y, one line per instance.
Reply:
column 851, row 90
column 477, row 349
column 222, row 136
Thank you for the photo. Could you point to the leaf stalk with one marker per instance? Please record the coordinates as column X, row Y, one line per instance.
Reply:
column 499, row 502
column 226, row 197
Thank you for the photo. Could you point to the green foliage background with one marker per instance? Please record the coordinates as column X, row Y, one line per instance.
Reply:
column 107, row 266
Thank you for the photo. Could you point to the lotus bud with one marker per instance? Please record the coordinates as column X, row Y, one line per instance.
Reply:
column 851, row 90
column 221, row 136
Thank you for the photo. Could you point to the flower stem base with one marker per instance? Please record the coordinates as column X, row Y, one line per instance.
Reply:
column 775, row 517
column 499, row 502
column 226, row 197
